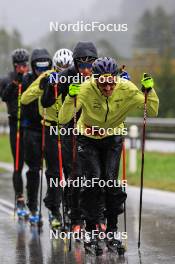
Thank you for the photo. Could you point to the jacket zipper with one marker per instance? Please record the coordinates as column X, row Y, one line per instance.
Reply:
column 107, row 110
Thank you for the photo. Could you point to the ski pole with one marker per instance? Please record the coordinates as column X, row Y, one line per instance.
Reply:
column 142, row 163
column 73, row 163
column 18, row 135
column 42, row 168
column 59, row 149
column 124, row 178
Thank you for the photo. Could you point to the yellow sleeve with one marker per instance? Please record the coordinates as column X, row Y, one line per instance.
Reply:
column 67, row 110
column 139, row 98
column 33, row 91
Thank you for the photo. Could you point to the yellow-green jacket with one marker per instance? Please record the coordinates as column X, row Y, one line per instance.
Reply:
column 106, row 112
column 33, row 92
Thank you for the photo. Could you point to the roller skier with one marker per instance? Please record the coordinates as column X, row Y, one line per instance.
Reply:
column 105, row 101
column 41, row 61
column 61, row 60
column 84, row 55
column 11, row 90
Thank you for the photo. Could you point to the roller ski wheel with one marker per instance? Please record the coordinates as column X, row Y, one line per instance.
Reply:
column 35, row 220
column 121, row 250
column 67, row 222
column 22, row 214
column 116, row 246
column 92, row 246
column 93, row 250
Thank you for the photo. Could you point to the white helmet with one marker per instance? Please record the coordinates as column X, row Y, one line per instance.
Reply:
column 62, row 59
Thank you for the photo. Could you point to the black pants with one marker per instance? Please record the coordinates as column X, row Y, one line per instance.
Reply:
column 17, row 175
column 101, row 159
column 71, row 171
column 33, row 154
column 53, row 196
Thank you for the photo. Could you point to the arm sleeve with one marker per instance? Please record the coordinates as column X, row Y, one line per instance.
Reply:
column 32, row 93
column 48, row 98
column 66, row 112
column 137, row 97
column 9, row 91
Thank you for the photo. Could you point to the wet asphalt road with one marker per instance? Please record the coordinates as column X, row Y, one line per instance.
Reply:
column 21, row 244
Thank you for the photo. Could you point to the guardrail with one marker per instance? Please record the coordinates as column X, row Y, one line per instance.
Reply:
column 157, row 128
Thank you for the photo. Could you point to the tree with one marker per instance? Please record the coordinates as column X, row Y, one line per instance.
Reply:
column 155, row 31
column 165, row 82
column 145, row 35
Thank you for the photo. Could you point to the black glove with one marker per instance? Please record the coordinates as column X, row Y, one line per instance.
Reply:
column 43, row 83
column 18, row 78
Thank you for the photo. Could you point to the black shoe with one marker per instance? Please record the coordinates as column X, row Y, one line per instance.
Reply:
column 22, row 211
column 92, row 246
column 115, row 245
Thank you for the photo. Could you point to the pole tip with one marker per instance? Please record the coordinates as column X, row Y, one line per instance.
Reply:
column 139, row 245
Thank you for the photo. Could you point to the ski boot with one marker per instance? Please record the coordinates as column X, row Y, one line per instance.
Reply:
column 115, row 246
column 77, row 229
column 35, row 220
column 91, row 245
column 55, row 221
column 22, row 212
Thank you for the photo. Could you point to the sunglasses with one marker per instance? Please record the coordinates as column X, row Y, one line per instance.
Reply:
column 84, row 65
column 42, row 66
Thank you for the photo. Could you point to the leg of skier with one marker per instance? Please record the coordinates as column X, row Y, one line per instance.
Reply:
column 32, row 145
column 53, row 197
column 115, row 197
column 92, row 205
column 17, row 174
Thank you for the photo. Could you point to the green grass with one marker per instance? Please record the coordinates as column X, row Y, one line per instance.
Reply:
column 159, row 169
column 5, row 152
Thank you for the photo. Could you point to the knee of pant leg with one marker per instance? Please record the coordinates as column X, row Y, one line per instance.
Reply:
column 33, row 171
column 115, row 197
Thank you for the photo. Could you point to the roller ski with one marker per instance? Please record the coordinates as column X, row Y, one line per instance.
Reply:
column 35, row 220
column 115, row 246
column 66, row 221
column 55, row 221
column 21, row 210
column 92, row 246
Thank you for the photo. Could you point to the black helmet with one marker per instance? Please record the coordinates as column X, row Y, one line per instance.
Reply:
column 104, row 65
column 85, row 50
column 41, row 60
column 39, row 55
column 20, row 56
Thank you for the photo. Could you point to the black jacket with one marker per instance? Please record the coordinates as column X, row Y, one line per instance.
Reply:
column 82, row 49
column 30, row 112
column 9, row 94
